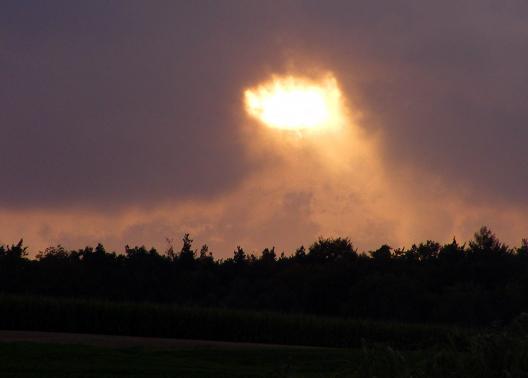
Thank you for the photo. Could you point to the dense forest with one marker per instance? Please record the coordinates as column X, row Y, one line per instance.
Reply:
column 481, row 282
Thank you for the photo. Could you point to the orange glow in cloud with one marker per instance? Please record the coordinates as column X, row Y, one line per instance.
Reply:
column 318, row 174
column 297, row 103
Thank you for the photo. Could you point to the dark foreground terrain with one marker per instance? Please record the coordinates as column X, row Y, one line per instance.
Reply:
column 485, row 357
column 318, row 346
column 427, row 311
column 55, row 360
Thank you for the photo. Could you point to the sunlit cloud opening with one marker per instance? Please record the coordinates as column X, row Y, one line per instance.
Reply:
column 297, row 103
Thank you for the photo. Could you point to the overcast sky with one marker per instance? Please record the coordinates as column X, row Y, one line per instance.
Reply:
column 123, row 122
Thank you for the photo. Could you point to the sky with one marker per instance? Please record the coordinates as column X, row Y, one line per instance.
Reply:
column 123, row 122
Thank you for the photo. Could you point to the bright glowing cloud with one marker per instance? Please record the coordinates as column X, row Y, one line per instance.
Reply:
column 296, row 103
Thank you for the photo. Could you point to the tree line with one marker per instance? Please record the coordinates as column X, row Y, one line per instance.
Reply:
column 476, row 283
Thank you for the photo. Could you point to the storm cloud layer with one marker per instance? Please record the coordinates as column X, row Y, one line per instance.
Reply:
column 125, row 118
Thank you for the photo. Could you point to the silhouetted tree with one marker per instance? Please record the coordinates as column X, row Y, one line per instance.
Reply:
column 300, row 253
column 452, row 252
column 187, row 254
column 239, row 256
column 523, row 248
column 486, row 242
column 171, row 254
column 14, row 252
column 329, row 250
column 383, row 253
column 205, row 256
column 476, row 284
column 268, row 256
column 424, row 251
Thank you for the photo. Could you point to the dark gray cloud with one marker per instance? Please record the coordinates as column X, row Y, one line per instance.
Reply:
column 117, row 103
column 445, row 82
column 121, row 102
